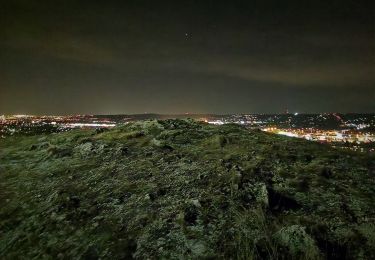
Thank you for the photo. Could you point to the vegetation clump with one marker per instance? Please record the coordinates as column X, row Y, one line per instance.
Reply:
column 183, row 189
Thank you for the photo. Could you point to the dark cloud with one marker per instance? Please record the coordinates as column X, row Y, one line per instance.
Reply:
column 186, row 56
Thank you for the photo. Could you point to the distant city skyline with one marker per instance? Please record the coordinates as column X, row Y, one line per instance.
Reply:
column 175, row 57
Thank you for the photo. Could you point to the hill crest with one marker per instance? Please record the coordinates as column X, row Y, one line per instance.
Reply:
column 183, row 189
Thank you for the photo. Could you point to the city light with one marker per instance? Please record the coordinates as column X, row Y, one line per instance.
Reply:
column 327, row 128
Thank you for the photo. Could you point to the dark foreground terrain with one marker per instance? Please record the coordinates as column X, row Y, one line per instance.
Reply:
column 182, row 189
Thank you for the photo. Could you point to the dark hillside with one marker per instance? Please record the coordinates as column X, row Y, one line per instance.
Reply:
column 183, row 189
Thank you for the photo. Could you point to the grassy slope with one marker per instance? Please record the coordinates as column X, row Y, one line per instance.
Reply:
column 178, row 188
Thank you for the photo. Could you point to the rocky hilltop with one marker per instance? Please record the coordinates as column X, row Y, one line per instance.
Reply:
column 183, row 189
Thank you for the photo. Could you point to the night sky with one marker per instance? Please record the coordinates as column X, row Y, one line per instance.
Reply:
column 71, row 56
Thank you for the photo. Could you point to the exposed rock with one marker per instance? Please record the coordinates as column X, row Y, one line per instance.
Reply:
column 261, row 194
column 85, row 149
column 297, row 242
